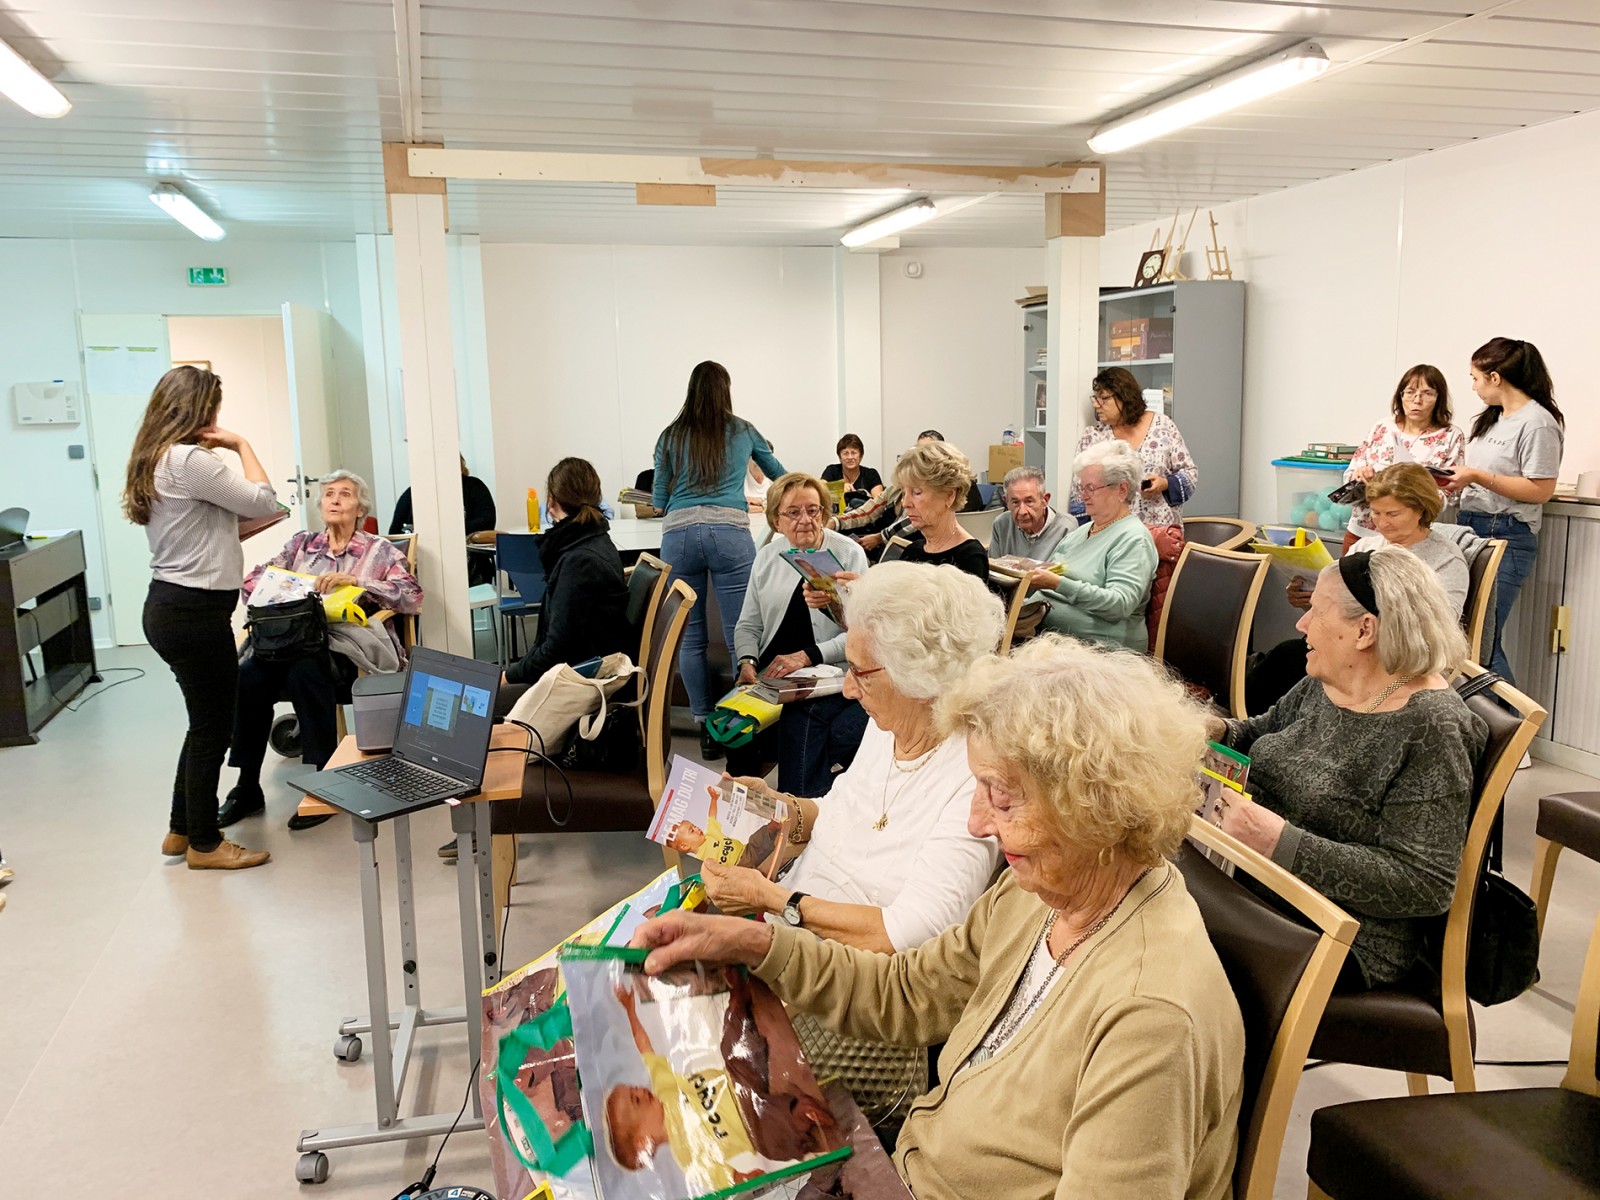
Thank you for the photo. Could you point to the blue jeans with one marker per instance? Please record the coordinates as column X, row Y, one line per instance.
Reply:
column 1522, row 544
column 815, row 736
column 721, row 554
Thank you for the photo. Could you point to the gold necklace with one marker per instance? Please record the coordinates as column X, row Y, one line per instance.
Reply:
column 882, row 822
column 1386, row 693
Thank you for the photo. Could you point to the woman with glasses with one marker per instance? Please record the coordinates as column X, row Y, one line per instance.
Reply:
column 884, row 861
column 1419, row 431
column 1105, row 566
column 778, row 634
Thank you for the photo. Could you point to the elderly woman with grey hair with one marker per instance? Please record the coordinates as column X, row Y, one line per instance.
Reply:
column 1362, row 775
column 339, row 554
column 1092, row 1044
column 1101, row 581
column 884, row 860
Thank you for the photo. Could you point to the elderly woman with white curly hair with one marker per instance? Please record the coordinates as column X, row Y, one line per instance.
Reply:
column 1092, row 1044
column 884, row 861
column 339, row 554
column 1101, row 581
column 1362, row 774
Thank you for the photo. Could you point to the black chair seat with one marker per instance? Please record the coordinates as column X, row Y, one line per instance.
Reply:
column 1398, row 1028
column 1572, row 819
column 601, row 803
column 1542, row 1142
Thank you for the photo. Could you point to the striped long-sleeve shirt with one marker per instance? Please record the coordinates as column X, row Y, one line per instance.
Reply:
column 194, row 522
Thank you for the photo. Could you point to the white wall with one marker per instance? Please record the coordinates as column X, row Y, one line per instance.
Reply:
column 47, row 282
column 952, row 346
column 1354, row 279
column 590, row 349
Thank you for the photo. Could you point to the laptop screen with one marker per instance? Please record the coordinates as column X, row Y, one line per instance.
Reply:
column 448, row 713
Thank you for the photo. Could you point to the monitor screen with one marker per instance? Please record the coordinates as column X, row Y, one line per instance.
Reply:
column 445, row 719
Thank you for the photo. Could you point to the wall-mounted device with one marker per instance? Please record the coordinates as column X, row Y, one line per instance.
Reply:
column 52, row 403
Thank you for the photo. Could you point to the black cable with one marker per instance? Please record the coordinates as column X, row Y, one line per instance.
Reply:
column 543, row 755
column 138, row 674
column 1519, row 1062
column 412, row 1190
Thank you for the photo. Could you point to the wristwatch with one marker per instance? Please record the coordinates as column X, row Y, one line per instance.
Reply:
column 791, row 910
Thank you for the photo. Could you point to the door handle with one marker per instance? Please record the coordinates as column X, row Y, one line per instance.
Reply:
column 1560, row 628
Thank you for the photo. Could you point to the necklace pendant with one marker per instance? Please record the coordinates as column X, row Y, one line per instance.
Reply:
column 881, row 823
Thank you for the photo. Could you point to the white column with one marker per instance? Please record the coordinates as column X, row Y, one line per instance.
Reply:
column 1073, row 271
column 422, row 288
column 860, row 350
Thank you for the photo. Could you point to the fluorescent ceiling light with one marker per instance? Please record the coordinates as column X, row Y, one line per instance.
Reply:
column 1285, row 69
column 184, row 211
column 21, row 80
column 891, row 222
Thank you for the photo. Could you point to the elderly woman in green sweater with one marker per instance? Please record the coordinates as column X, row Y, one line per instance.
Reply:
column 1103, row 569
column 1092, row 1045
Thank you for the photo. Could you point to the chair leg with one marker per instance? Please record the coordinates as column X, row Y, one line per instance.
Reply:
column 339, row 723
column 1545, row 853
column 502, row 871
column 1416, row 1085
column 1313, row 1192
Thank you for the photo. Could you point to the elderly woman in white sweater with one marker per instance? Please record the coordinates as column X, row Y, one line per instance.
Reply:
column 778, row 634
column 884, row 861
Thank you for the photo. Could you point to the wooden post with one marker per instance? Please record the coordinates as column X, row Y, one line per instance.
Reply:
column 1074, row 224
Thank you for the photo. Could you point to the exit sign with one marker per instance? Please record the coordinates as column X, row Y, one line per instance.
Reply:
column 208, row 276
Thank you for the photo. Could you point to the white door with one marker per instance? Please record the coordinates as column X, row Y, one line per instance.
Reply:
column 308, row 350
column 123, row 357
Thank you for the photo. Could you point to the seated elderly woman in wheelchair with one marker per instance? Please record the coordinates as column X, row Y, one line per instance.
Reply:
column 339, row 555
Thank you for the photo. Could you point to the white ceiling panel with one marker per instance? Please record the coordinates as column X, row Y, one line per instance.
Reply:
column 273, row 113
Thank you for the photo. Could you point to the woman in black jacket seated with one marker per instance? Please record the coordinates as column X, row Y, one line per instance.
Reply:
column 583, row 614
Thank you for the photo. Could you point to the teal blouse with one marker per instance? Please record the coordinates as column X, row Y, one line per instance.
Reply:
column 1102, row 595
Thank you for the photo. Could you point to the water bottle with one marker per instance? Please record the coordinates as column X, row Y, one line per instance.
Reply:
column 1008, row 436
column 533, row 510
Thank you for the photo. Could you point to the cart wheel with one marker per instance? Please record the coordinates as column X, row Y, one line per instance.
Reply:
column 348, row 1048
column 312, row 1167
column 285, row 736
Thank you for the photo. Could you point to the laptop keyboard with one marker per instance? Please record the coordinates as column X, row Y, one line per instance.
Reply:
column 403, row 780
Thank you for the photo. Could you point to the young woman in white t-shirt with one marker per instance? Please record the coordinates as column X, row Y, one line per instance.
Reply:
column 1513, row 457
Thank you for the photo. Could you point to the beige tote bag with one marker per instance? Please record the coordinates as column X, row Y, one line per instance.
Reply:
column 563, row 700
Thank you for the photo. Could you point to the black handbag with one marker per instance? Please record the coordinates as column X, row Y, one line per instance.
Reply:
column 287, row 632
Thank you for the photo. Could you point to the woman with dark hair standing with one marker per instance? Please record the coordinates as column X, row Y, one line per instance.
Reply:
column 700, row 464
column 190, row 503
column 1170, row 474
column 1513, row 456
column 1419, row 432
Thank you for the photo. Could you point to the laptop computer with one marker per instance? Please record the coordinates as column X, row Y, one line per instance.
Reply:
column 441, row 743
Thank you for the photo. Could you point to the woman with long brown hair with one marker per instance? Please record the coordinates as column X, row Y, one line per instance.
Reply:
column 190, row 503
column 699, row 483
column 1420, row 431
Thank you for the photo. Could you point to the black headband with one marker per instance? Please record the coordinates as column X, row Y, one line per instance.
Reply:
column 1356, row 571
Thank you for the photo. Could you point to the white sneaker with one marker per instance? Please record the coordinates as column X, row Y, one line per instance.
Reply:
column 1527, row 761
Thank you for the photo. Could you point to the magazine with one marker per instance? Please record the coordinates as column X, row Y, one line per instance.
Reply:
column 807, row 683
column 250, row 526
column 718, row 820
column 1020, row 566
column 694, row 1083
column 1223, row 775
column 868, row 1174
column 818, row 567
column 547, row 1078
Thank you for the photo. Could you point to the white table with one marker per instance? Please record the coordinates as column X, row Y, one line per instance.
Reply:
column 631, row 535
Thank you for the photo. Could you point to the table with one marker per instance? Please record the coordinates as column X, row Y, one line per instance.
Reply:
column 47, row 575
column 632, row 535
column 391, row 1058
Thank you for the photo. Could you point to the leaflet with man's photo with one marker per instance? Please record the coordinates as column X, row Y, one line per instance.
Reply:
column 716, row 820
column 694, row 1083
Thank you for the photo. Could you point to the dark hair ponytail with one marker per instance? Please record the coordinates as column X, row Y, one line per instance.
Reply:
column 1521, row 365
column 574, row 484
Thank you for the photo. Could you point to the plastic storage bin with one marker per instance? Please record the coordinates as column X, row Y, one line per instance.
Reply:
column 1303, row 497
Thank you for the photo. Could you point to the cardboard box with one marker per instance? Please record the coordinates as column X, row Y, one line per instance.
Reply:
column 1003, row 459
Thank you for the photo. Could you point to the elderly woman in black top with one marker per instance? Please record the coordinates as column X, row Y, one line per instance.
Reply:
column 1362, row 775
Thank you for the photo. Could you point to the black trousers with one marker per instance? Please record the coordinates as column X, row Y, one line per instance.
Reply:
column 191, row 630
column 312, row 685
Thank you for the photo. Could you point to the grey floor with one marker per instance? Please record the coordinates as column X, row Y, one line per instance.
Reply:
column 169, row 1033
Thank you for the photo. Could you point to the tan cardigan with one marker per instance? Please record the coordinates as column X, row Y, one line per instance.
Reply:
column 1124, row 1083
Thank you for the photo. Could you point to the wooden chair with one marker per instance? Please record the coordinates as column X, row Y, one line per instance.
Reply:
column 1476, row 1145
column 1218, row 533
column 1482, row 568
column 1205, row 626
column 1422, row 1024
column 647, row 584
column 601, row 802
column 1282, row 971
column 1014, row 592
column 1566, row 820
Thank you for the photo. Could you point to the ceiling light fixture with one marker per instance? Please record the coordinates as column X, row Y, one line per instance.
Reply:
column 21, row 80
column 187, row 213
column 891, row 222
column 1275, row 73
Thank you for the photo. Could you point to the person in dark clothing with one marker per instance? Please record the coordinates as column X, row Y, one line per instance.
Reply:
column 933, row 478
column 478, row 503
column 585, row 600
column 861, row 483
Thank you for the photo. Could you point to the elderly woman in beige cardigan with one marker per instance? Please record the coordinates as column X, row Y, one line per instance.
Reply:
column 1092, row 1043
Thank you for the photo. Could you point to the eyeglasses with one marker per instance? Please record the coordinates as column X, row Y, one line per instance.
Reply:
column 794, row 514
column 1089, row 489
column 852, row 669
column 1422, row 393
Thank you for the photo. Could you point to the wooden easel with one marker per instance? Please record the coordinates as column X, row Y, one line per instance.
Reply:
column 1172, row 270
column 1217, row 264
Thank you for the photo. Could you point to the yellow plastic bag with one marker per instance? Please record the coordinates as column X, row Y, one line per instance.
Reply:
column 1293, row 550
column 340, row 605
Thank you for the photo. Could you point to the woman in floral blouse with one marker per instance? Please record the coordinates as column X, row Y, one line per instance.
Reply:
column 1419, row 431
column 1170, row 474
